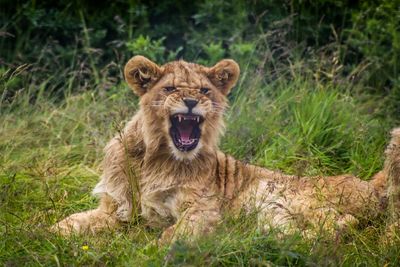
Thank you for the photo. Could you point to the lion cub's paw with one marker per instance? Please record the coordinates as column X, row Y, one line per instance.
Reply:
column 124, row 214
column 70, row 225
column 87, row 222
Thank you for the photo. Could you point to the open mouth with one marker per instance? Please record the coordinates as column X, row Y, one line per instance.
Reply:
column 185, row 131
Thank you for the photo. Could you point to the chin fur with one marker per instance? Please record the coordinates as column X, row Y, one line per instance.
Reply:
column 182, row 156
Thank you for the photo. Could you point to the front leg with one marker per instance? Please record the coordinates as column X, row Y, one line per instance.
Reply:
column 91, row 221
column 198, row 220
column 118, row 187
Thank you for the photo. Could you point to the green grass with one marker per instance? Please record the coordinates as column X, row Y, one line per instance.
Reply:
column 51, row 149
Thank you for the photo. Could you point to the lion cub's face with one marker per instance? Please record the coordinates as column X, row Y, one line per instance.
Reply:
column 184, row 101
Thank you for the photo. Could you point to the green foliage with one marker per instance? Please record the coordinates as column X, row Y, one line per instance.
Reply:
column 213, row 53
column 320, row 130
column 153, row 49
column 146, row 47
column 243, row 53
column 270, row 33
column 376, row 36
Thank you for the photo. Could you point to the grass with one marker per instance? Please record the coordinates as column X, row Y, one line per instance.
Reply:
column 51, row 150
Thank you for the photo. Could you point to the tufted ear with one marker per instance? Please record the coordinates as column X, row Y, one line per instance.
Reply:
column 224, row 75
column 141, row 74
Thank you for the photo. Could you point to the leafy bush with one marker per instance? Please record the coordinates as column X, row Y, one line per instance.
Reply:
column 375, row 36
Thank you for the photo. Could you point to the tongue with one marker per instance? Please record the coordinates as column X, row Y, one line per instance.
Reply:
column 185, row 131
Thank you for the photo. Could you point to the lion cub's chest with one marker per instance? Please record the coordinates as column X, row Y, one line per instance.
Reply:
column 162, row 204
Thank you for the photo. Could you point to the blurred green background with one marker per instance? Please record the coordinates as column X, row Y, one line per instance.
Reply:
column 357, row 40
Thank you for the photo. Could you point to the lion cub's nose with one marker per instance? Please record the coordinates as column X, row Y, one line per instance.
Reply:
column 190, row 103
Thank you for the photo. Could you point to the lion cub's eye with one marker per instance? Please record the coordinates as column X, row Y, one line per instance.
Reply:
column 169, row 89
column 204, row 90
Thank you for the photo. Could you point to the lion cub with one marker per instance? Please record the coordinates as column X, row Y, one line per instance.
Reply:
column 167, row 164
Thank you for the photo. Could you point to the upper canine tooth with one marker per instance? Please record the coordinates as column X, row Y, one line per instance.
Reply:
column 198, row 119
column 179, row 118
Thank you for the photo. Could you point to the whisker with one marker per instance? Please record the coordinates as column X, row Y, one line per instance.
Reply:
column 218, row 111
column 218, row 104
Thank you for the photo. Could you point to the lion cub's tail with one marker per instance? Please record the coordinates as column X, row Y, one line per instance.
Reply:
column 388, row 179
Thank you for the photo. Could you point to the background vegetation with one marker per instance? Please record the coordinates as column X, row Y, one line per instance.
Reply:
column 319, row 91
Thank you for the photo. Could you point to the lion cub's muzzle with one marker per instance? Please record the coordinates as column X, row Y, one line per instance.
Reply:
column 185, row 130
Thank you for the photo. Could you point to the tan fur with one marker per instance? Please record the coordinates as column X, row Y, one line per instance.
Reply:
column 187, row 192
column 392, row 170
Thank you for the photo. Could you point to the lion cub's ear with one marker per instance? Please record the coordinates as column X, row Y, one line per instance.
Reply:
column 224, row 75
column 141, row 74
